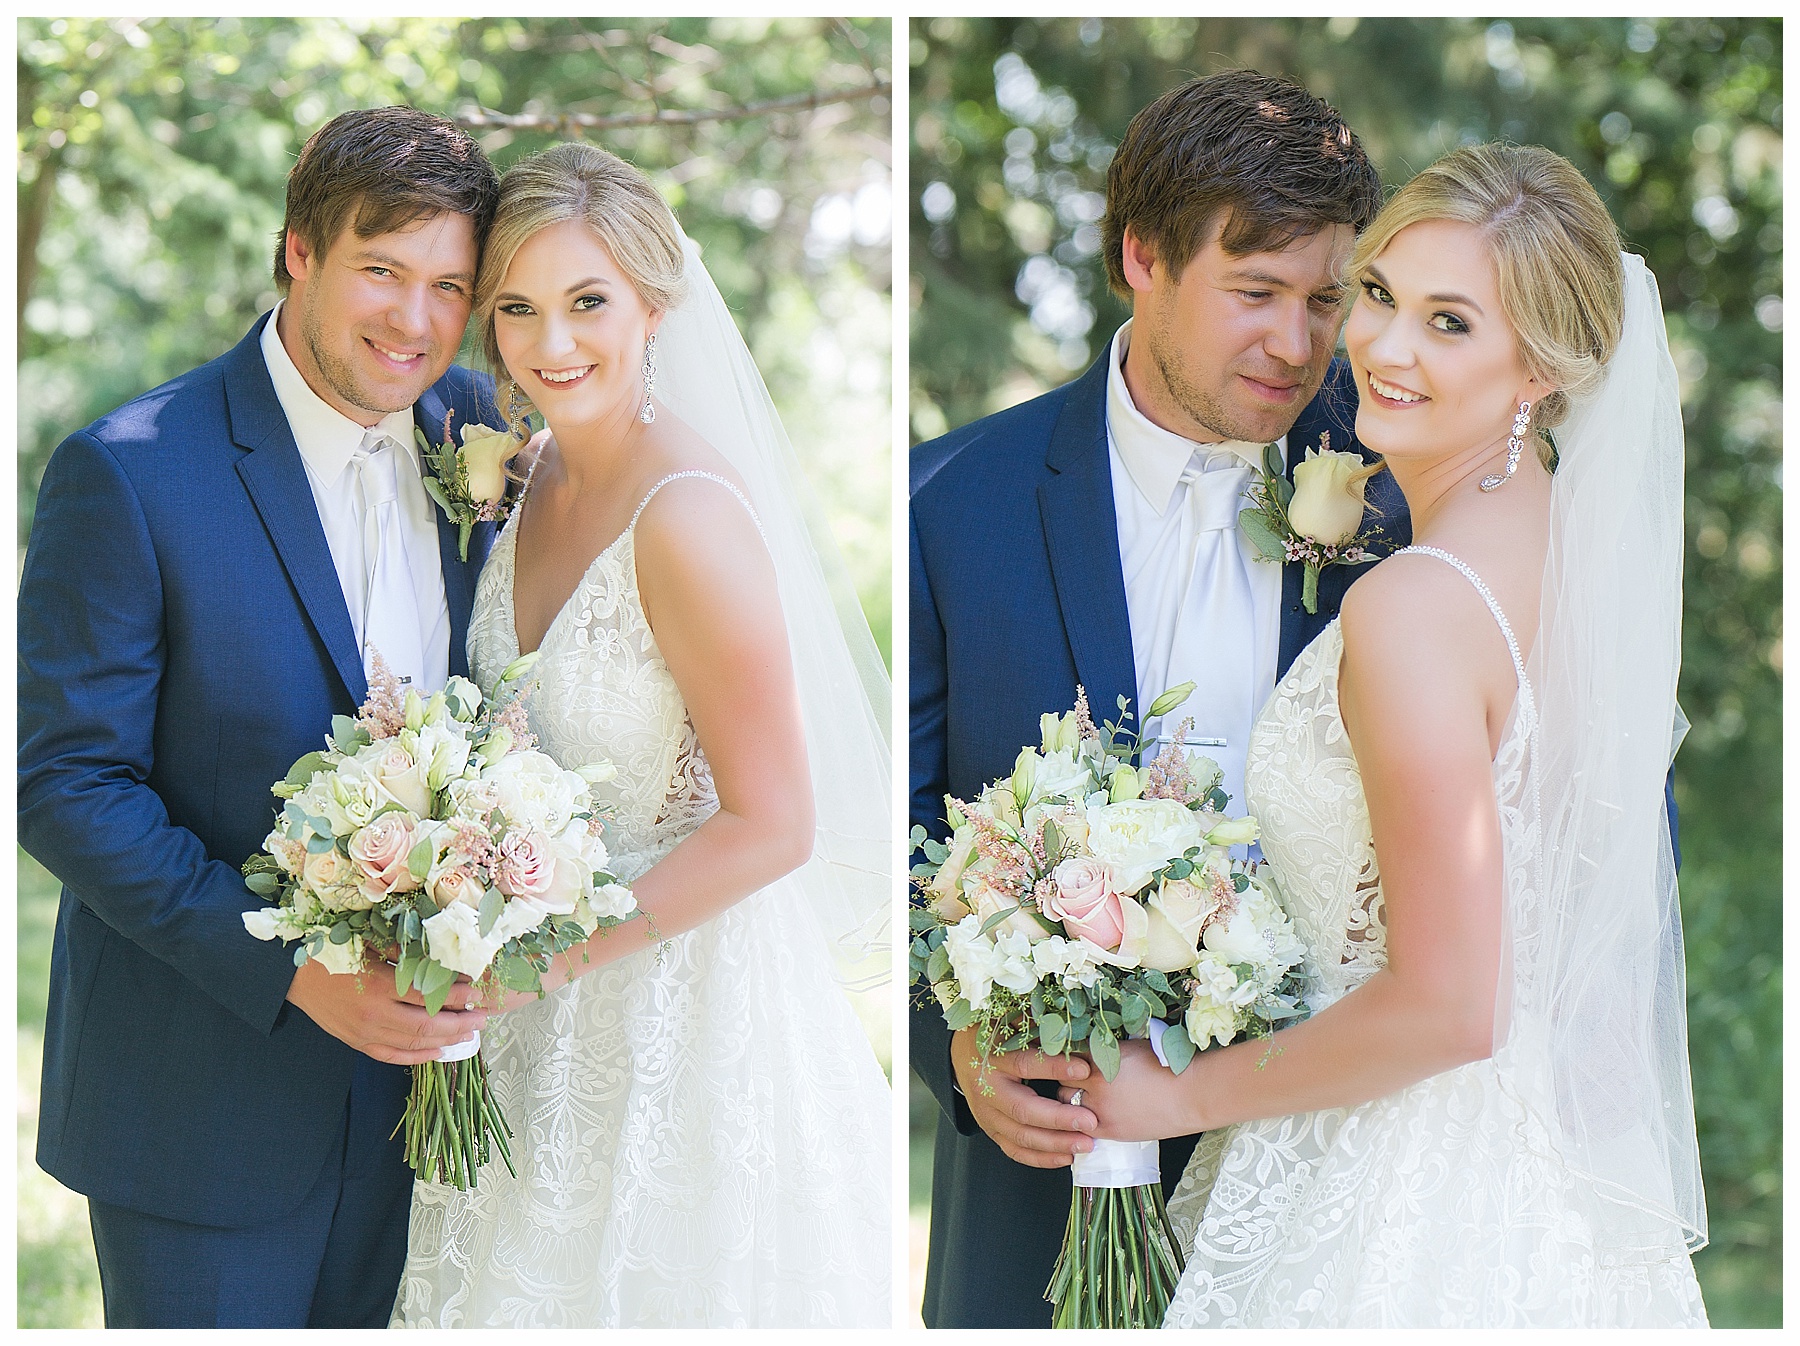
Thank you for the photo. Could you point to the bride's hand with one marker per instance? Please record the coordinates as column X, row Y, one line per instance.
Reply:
column 1144, row 1101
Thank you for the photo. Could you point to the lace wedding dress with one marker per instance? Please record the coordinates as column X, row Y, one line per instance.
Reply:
column 701, row 1130
column 1446, row 1204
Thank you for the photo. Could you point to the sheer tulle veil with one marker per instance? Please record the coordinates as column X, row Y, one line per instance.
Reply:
column 1596, row 1020
column 705, row 375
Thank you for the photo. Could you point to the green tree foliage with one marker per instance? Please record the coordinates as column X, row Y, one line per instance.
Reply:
column 153, row 155
column 1678, row 123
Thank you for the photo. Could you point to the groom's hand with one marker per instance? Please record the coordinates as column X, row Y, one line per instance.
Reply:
column 1029, row 1128
column 363, row 1012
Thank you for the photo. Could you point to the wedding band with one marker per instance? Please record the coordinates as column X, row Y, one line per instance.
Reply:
column 1076, row 1097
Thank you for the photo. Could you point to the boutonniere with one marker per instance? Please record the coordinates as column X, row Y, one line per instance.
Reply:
column 1316, row 518
column 468, row 481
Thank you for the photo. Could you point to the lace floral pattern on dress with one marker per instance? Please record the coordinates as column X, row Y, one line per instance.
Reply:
column 695, row 1126
column 1441, row 1205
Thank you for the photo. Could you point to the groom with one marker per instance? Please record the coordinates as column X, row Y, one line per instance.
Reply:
column 210, row 570
column 1090, row 537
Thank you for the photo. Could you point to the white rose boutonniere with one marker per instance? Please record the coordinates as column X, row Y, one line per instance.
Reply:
column 1317, row 518
column 468, row 480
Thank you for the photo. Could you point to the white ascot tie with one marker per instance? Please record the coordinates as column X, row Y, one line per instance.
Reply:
column 390, row 610
column 1214, row 642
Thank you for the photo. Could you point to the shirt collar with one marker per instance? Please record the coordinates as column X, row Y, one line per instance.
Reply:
column 325, row 436
column 1155, row 458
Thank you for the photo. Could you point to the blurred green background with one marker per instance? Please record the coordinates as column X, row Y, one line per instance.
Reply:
column 1678, row 123
column 153, row 155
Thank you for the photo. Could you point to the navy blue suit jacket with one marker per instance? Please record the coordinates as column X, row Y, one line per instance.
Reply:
column 182, row 640
column 1017, row 595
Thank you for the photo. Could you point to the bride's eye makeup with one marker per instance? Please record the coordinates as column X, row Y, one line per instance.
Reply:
column 1452, row 325
column 1377, row 293
column 588, row 302
column 514, row 309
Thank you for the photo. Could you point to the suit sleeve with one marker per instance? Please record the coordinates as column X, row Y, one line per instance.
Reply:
column 91, row 660
column 929, row 778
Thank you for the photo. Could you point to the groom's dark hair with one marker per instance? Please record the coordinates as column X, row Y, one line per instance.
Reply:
column 380, row 170
column 1277, row 163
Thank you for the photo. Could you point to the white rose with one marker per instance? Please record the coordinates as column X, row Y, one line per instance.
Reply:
column 464, row 691
column 472, row 800
column 452, row 884
column 1239, row 940
column 1328, row 496
column 1138, row 837
column 453, row 938
column 398, row 777
column 332, row 879
column 1177, row 911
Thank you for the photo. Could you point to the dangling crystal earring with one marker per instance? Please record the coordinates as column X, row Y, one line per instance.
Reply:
column 518, row 406
column 1515, row 445
column 647, row 414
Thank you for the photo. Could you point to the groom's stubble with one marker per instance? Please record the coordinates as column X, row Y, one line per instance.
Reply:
column 1237, row 345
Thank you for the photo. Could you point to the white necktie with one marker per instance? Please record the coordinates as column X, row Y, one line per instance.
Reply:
column 1214, row 642
column 390, row 610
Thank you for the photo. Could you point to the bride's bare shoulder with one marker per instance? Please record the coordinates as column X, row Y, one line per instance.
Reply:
column 1415, row 630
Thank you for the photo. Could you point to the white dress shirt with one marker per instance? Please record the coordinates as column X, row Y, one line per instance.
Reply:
column 1156, row 473
column 327, row 440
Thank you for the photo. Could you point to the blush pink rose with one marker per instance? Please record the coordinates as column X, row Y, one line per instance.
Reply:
column 1084, row 903
column 526, row 866
column 379, row 852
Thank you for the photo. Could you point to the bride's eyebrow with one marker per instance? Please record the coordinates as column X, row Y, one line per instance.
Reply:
column 590, row 283
column 1463, row 299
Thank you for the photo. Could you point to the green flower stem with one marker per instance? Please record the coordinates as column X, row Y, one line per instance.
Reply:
column 1119, row 1264
column 452, row 1123
column 1309, row 588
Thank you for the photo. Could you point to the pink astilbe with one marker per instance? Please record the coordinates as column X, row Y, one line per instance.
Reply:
column 1011, row 859
column 517, row 722
column 1167, row 776
column 1225, row 903
column 1084, row 719
column 474, row 847
column 383, row 714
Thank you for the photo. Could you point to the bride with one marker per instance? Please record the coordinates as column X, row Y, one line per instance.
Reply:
column 1487, row 1121
column 700, row 1126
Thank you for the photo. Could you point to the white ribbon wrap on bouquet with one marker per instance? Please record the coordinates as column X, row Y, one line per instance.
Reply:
column 1117, row 1163
column 460, row 1051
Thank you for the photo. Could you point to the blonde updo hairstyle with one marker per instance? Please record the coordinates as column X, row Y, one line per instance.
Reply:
column 1556, row 258
column 578, row 181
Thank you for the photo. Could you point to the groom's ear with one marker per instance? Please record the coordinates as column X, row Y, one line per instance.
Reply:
column 299, row 255
column 1139, row 261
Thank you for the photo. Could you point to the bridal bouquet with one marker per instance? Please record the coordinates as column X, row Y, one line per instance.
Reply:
column 430, row 832
column 1081, row 900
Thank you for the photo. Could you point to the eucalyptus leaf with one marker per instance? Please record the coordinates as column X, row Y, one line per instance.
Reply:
column 419, row 858
column 937, row 965
column 1053, row 1033
column 1177, row 1048
column 1263, row 537
column 959, row 1016
column 1105, row 1051
column 492, row 905
column 997, row 918
column 1272, row 464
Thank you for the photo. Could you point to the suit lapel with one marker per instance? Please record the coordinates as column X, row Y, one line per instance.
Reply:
column 275, row 477
column 459, row 576
column 1081, row 535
